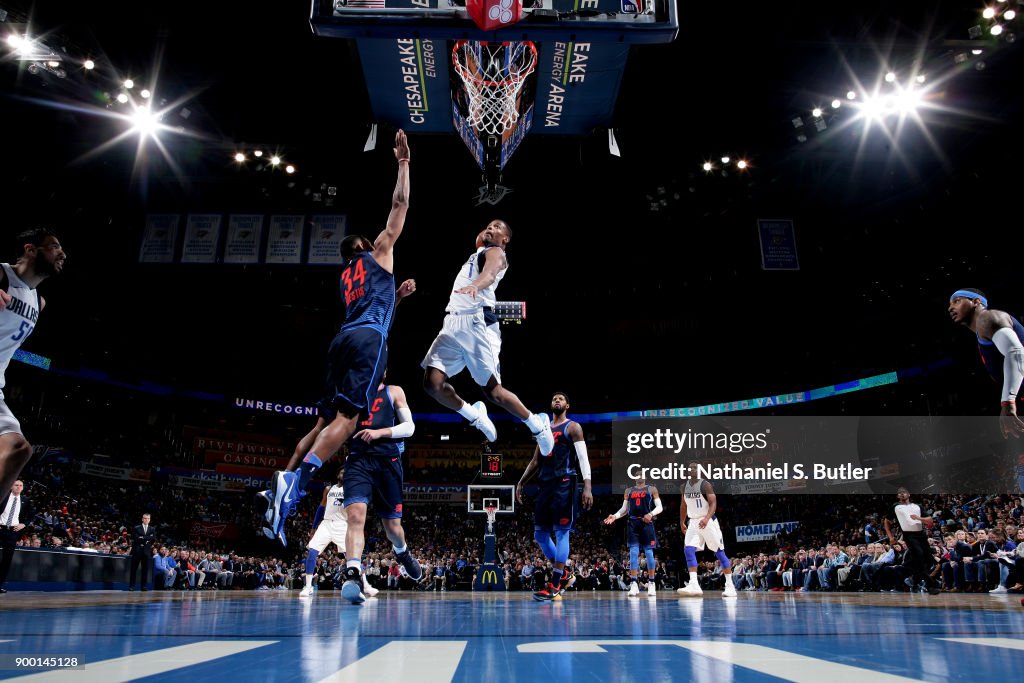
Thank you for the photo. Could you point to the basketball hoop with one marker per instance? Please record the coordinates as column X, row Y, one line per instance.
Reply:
column 492, row 513
column 494, row 75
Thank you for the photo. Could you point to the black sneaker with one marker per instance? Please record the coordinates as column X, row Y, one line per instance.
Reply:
column 352, row 589
column 412, row 567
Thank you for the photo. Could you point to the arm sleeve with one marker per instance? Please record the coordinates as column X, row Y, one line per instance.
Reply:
column 581, row 455
column 657, row 507
column 405, row 427
column 1009, row 345
column 622, row 511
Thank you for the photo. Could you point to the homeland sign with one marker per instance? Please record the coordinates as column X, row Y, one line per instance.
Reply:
column 763, row 532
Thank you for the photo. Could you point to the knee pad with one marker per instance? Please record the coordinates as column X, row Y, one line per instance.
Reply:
column 723, row 560
column 634, row 557
column 691, row 556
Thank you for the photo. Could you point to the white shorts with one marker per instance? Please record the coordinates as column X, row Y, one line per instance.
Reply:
column 327, row 533
column 8, row 423
column 710, row 535
column 466, row 341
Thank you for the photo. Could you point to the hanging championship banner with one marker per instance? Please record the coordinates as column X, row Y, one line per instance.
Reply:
column 159, row 237
column 245, row 234
column 778, row 245
column 284, row 240
column 325, row 240
column 202, row 232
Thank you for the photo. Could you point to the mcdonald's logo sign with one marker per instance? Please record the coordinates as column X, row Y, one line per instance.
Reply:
column 489, row 576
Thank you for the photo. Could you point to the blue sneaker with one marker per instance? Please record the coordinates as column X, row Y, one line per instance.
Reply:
column 412, row 567
column 282, row 500
column 352, row 589
column 263, row 504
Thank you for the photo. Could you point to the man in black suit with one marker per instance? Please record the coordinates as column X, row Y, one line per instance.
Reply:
column 14, row 512
column 142, row 551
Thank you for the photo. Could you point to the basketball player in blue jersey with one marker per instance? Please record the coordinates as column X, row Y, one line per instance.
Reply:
column 373, row 472
column 358, row 355
column 554, row 511
column 1001, row 345
column 39, row 256
column 470, row 338
column 642, row 503
column 700, row 528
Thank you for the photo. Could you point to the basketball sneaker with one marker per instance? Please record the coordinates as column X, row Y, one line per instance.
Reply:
column 306, row 592
column 351, row 589
column 282, row 498
column 483, row 423
column 730, row 588
column 544, row 438
column 412, row 567
column 634, row 590
column 548, row 593
column 691, row 589
column 263, row 504
column 368, row 590
column 652, row 591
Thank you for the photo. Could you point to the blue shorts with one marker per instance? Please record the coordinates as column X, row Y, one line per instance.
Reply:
column 555, row 507
column 356, row 362
column 377, row 479
column 640, row 533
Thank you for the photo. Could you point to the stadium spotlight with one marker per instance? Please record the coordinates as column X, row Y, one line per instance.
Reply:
column 989, row 12
column 129, row 84
column 257, row 153
column 144, row 121
column 289, row 169
column 996, row 30
column 725, row 160
column 122, row 98
column 145, row 94
column 275, row 160
column 741, row 164
column 816, row 112
column 707, row 166
column 836, row 103
column 851, row 95
column 239, row 157
column 89, row 65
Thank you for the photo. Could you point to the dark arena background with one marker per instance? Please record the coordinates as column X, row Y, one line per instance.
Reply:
column 759, row 209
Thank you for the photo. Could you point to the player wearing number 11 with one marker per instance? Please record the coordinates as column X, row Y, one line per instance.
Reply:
column 358, row 355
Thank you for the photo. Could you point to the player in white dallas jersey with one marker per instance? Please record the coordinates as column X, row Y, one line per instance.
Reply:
column 39, row 256
column 332, row 529
column 471, row 338
column 700, row 528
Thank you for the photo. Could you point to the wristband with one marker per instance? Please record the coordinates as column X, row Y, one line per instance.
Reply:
column 405, row 159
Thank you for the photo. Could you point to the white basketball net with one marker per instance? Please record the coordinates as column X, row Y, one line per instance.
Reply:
column 494, row 74
column 492, row 512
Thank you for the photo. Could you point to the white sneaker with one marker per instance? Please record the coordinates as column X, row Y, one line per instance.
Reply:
column 634, row 590
column 997, row 590
column 691, row 589
column 306, row 592
column 483, row 423
column 368, row 590
column 545, row 439
column 730, row 589
column 652, row 592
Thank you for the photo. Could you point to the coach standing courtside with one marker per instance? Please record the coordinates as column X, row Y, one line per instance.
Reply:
column 143, row 536
column 14, row 512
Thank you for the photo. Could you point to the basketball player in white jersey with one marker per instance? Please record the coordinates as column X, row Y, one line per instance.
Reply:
column 700, row 528
column 471, row 338
column 39, row 256
column 331, row 524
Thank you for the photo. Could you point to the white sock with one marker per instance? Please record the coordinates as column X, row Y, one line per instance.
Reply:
column 693, row 577
column 399, row 551
column 534, row 423
column 354, row 563
column 309, row 580
column 469, row 412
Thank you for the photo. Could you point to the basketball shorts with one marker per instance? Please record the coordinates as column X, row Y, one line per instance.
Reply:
column 466, row 341
column 356, row 362
column 710, row 535
column 555, row 507
column 8, row 423
column 375, row 479
column 641, row 533
column 328, row 532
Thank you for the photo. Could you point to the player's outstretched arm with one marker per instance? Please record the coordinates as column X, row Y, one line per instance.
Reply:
column 621, row 512
column 494, row 262
column 998, row 326
column 527, row 473
column 384, row 245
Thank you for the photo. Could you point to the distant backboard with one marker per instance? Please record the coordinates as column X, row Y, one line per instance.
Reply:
column 406, row 49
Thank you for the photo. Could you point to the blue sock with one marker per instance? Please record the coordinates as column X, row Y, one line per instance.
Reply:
column 649, row 552
column 634, row 557
column 310, row 464
column 311, row 561
column 561, row 545
column 556, row 577
column 543, row 539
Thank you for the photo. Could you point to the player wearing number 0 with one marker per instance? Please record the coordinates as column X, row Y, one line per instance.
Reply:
column 331, row 524
column 39, row 256
column 358, row 354
column 700, row 528
column 555, row 509
column 642, row 503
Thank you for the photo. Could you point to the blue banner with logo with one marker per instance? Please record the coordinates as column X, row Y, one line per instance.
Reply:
column 778, row 244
